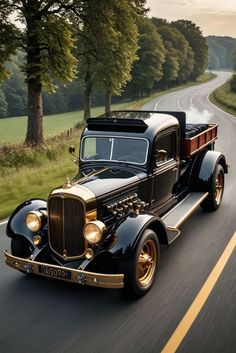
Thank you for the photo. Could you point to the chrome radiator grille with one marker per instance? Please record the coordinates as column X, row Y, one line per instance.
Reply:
column 66, row 222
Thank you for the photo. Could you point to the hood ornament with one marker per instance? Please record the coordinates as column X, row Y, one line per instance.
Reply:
column 67, row 184
column 64, row 253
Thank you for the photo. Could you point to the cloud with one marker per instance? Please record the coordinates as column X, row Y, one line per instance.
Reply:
column 180, row 3
column 216, row 17
column 212, row 22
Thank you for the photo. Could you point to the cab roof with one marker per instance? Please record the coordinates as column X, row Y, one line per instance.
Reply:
column 145, row 123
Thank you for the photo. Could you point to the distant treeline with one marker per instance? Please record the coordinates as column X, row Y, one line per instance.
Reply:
column 168, row 54
column 222, row 52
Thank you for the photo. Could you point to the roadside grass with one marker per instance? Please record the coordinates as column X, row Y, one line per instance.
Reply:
column 32, row 173
column 33, row 183
column 224, row 99
column 38, row 179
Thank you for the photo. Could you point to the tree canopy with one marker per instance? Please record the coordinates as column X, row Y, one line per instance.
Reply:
column 179, row 54
column 197, row 42
column 222, row 52
column 151, row 56
column 47, row 39
column 107, row 48
column 68, row 47
column 8, row 34
column 47, row 42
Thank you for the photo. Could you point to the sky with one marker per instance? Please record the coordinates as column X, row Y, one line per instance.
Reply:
column 214, row 17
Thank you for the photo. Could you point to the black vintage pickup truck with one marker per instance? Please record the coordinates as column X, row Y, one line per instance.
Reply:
column 141, row 175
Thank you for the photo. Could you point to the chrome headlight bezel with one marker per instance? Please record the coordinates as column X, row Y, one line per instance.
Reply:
column 34, row 220
column 93, row 231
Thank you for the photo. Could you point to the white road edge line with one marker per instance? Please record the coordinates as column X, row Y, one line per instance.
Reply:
column 159, row 100
column 191, row 102
column 3, row 222
column 179, row 105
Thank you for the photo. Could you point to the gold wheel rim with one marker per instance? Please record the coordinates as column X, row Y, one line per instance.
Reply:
column 219, row 188
column 147, row 261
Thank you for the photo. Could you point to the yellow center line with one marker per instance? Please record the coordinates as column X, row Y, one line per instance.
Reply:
column 193, row 311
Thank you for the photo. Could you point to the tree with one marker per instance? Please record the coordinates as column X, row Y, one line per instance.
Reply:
column 14, row 88
column 8, row 35
column 54, row 103
column 232, row 84
column 222, row 52
column 3, row 105
column 107, row 45
column 48, row 44
column 148, row 69
column 115, row 71
column 194, row 36
column 171, row 66
column 179, row 54
column 232, row 59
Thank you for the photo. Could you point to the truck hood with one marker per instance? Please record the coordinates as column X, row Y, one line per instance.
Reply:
column 106, row 180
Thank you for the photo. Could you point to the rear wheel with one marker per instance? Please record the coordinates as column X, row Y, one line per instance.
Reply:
column 216, row 189
column 140, row 269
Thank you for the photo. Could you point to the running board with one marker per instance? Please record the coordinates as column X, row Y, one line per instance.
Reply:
column 182, row 211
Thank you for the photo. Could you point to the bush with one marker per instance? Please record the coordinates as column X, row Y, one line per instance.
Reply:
column 15, row 157
column 232, row 84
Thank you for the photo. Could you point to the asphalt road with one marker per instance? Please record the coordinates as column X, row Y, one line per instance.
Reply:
column 48, row 316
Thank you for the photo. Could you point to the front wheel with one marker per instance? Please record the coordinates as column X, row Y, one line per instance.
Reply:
column 141, row 268
column 216, row 190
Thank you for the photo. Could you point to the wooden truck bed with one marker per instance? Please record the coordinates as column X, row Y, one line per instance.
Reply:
column 191, row 145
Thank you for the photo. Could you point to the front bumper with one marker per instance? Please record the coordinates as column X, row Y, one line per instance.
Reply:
column 64, row 273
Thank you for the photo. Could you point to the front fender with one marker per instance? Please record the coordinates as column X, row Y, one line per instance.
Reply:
column 129, row 231
column 204, row 168
column 16, row 225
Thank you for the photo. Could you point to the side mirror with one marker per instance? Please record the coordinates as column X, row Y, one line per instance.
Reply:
column 72, row 150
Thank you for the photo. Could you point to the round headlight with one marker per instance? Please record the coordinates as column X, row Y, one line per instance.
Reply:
column 93, row 231
column 34, row 221
column 37, row 239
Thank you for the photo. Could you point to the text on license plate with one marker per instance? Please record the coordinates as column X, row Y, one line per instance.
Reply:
column 54, row 272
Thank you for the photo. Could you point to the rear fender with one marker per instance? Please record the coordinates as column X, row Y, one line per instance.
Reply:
column 129, row 231
column 204, row 167
column 16, row 226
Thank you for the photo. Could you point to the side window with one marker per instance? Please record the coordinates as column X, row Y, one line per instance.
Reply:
column 165, row 149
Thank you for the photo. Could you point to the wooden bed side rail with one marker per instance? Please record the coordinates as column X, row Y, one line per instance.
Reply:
column 192, row 145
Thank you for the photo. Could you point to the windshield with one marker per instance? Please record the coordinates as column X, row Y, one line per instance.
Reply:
column 106, row 148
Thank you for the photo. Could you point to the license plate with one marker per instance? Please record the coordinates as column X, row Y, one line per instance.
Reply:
column 54, row 272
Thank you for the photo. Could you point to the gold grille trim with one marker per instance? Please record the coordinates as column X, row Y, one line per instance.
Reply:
column 65, row 223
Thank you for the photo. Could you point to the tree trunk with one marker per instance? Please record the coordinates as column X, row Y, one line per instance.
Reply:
column 87, row 96
column 108, row 101
column 34, row 134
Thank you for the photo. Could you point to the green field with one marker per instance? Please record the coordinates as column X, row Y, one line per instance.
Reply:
column 28, row 173
column 13, row 130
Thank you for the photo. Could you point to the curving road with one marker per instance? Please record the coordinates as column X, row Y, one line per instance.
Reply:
column 46, row 316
